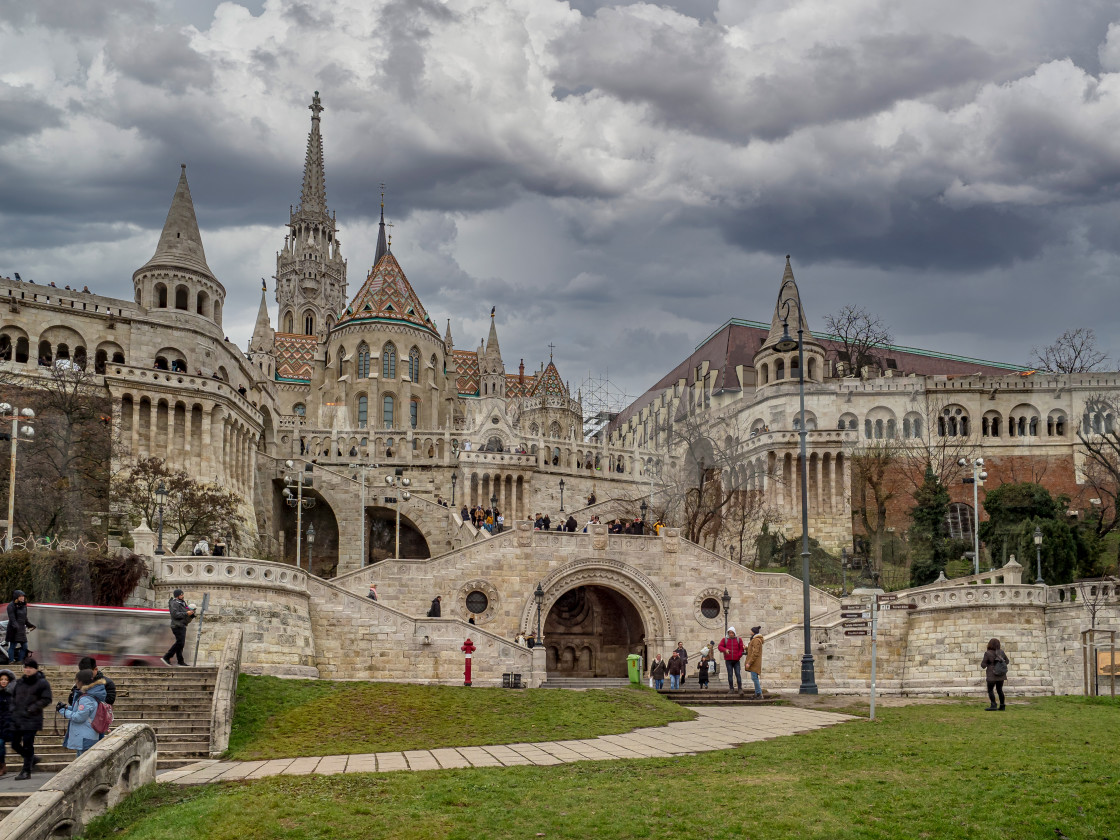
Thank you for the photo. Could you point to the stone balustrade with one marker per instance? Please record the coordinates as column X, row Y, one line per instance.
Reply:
column 994, row 594
column 189, row 572
column 95, row 782
column 225, row 693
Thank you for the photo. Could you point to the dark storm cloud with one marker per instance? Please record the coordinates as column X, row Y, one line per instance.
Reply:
column 159, row 56
column 21, row 115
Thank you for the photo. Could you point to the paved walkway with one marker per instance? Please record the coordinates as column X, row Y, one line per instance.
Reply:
column 715, row 728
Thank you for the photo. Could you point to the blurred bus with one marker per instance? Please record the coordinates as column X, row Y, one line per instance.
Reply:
column 112, row 635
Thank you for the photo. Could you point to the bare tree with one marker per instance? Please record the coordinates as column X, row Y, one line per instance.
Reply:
column 1075, row 351
column 1099, row 434
column 860, row 334
column 873, row 488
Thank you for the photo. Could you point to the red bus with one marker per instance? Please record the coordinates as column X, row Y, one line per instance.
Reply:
column 114, row 636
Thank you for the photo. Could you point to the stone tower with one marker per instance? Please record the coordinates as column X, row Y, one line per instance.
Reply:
column 310, row 270
column 775, row 366
column 492, row 382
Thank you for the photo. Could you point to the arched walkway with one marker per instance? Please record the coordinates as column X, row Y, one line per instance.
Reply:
column 382, row 534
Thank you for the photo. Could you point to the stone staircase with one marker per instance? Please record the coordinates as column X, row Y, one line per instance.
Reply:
column 716, row 695
column 175, row 702
column 582, row 683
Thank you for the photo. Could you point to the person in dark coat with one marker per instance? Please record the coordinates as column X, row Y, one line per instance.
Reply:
column 18, row 625
column 571, row 525
column 181, row 616
column 676, row 668
column 435, row 610
column 995, row 664
column 6, row 680
column 683, row 654
column 90, row 664
column 657, row 670
column 32, row 694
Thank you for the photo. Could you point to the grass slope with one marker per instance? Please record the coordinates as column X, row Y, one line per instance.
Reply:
column 1043, row 770
column 278, row 718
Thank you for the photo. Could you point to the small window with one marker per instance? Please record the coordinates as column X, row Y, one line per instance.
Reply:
column 389, row 362
column 363, row 361
column 477, row 602
column 413, row 412
column 710, row 608
column 363, row 411
column 299, row 409
column 387, row 412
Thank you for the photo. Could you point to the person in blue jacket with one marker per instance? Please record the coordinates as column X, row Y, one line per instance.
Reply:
column 81, row 735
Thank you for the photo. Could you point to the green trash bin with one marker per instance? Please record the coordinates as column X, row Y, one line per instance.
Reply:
column 634, row 668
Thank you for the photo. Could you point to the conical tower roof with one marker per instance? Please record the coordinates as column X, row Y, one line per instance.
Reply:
column 382, row 246
column 387, row 295
column 262, row 331
column 313, row 196
column 549, row 383
column 180, row 243
column 492, row 348
column 794, row 313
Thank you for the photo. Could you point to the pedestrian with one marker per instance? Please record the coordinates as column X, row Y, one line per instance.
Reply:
column 18, row 625
column 181, row 616
column 202, row 548
column 219, row 548
column 520, row 640
column 435, row 610
column 683, row 654
column 32, row 694
column 531, row 640
column 500, row 523
column 702, row 669
column 88, row 662
column 731, row 646
column 754, row 659
column 546, row 522
column 571, row 525
column 80, row 734
column 6, row 680
column 372, row 592
column 657, row 670
column 713, row 665
column 676, row 668
column 995, row 664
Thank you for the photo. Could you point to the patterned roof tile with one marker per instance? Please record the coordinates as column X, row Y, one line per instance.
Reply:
column 388, row 294
column 295, row 355
column 549, row 383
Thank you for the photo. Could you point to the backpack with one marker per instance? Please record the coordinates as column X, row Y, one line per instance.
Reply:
column 999, row 667
column 102, row 718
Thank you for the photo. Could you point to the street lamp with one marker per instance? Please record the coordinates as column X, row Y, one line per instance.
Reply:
column 978, row 475
column 25, row 416
column 645, row 509
column 561, row 495
column 363, row 553
column 398, row 479
column 726, row 599
column 785, row 345
column 310, row 542
column 494, row 504
column 161, row 494
column 1038, row 552
column 539, row 596
column 296, row 482
column 844, row 571
column 454, row 479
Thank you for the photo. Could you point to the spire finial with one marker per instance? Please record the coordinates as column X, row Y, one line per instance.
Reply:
column 316, row 107
column 313, row 197
column 551, row 347
column 493, row 309
column 183, row 166
column 389, row 243
column 383, row 199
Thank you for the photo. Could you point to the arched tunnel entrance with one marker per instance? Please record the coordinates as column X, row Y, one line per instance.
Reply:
column 589, row 631
column 381, row 536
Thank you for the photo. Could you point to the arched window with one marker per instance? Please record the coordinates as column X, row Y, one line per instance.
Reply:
column 387, row 411
column 389, row 361
column 414, row 412
column 878, row 430
column 182, row 298
column 299, row 409
column 1022, row 427
column 1056, row 425
column 892, row 429
column 363, row 410
column 433, row 361
column 309, row 323
column 811, row 369
column 779, row 370
column 867, row 433
column 1033, row 427
column 341, row 361
column 414, row 365
column 363, row 361
column 202, row 306
column 964, row 426
column 5, row 348
column 289, row 324
column 23, row 350
column 762, row 373
column 906, row 428
column 161, row 295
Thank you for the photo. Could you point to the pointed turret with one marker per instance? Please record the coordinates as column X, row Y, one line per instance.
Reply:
column 263, row 334
column 787, row 309
column 492, row 349
column 448, row 342
column 180, row 243
column 773, row 365
column 313, row 198
column 382, row 246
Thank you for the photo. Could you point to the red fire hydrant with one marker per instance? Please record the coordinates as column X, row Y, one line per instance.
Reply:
column 467, row 649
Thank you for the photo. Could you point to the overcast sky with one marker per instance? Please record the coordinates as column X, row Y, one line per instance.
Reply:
column 617, row 178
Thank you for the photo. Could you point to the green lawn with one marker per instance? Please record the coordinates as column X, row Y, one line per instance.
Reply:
column 278, row 718
column 1043, row 770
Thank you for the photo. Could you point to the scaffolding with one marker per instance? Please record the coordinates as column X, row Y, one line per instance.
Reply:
column 602, row 402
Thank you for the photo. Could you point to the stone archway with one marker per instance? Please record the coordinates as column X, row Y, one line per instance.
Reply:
column 382, row 532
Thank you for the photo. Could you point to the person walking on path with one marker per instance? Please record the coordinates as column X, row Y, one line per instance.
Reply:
column 657, row 670
column 683, row 654
column 754, row 660
column 435, row 610
column 18, row 625
column 995, row 664
column 6, row 679
column 32, row 694
column 731, row 646
column 181, row 616
column 372, row 592
column 676, row 668
column 702, row 669
column 80, row 734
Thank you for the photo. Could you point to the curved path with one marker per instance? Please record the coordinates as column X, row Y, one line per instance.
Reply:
column 715, row 728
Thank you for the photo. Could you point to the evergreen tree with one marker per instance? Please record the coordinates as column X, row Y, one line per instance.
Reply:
column 930, row 546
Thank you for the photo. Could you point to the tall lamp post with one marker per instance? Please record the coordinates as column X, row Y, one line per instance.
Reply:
column 398, row 479
column 1038, row 553
column 161, row 495
column 844, row 571
column 293, row 497
column 310, row 543
column 454, row 479
column 645, row 510
column 539, row 597
column 362, row 517
column 561, row 495
column 785, row 345
column 978, row 476
column 726, row 599
column 25, row 416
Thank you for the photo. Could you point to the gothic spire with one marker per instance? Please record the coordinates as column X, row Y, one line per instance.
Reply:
column 180, row 243
column 262, row 330
column 788, row 309
column 492, row 339
column 313, row 198
column 381, row 246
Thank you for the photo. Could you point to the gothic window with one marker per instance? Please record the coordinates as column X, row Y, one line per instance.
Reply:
column 959, row 520
column 161, row 295
column 363, row 361
column 867, row 433
column 289, row 324
column 389, row 361
column 413, row 412
column 414, row 364
column 309, row 323
column 387, row 411
column 341, row 361
column 534, row 429
column 779, row 369
column 299, row 409
column 433, row 361
column 182, row 298
column 363, row 411
column 554, row 429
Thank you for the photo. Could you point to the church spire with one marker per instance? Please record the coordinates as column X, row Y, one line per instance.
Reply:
column 788, row 308
column 448, row 342
column 262, row 331
column 313, row 198
column 382, row 247
column 180, row 243
column 492, row 339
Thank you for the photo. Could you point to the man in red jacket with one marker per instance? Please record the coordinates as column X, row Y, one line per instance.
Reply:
column 732, row 649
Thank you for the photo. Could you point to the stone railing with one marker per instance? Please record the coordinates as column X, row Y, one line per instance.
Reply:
column 95, row 782
column 512, row 459
column 996, row 594
column 225, row 693
column 181, row 379
column 188, row 571
column 1011, row 573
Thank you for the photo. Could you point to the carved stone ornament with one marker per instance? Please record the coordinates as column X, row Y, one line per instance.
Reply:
column 486, row 589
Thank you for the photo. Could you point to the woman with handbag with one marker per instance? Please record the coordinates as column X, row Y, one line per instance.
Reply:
column 6, row 680
column 995, row 664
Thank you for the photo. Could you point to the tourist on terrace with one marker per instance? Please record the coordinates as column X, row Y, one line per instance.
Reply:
column 571, row 525
column 219, row 547
column 676, row 668
column 6, row 679
column 80, row 734
column 754, row 659
column 435, row 610
column 731, row 646
column 202, row 548
column 995, row 664
column 181, row 616
column 657, row 670
column 683, row 654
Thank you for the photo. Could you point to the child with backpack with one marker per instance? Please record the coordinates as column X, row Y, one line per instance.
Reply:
column 87, row 715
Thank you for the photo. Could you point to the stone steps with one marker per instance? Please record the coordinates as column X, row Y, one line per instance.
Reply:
column 581, row 683
column 717, row 696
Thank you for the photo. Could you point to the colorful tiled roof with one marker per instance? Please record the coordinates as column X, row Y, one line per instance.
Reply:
column 549, row 383
column 294, row 355
column 518, row 387
column 387, row 295
column 466, row 366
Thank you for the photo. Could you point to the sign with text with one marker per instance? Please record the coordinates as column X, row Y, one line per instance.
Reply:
column 903, row 606
column 853, row 615
column 856, row 623
column 856, row 632
column 882, row 599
